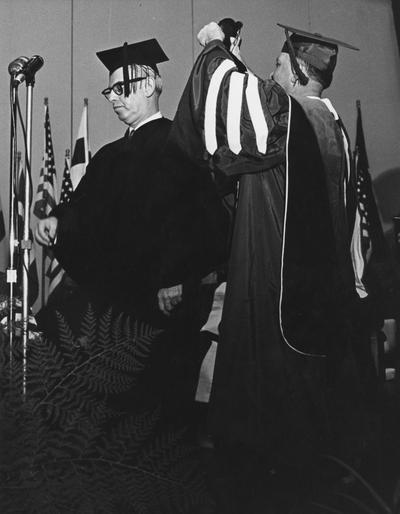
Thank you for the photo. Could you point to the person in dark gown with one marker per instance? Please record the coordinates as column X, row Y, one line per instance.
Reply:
column 139, row 233
column 285, row 386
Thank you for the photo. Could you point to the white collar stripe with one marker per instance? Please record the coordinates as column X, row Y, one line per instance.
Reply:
column 234, row 111
column 257, row 114
column 154, row 116
column 210, row 131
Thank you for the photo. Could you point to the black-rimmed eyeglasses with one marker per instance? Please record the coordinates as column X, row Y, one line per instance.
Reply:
column 118, row 87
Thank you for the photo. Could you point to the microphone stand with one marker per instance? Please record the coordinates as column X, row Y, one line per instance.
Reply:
column 26, row 243
column 11, row 270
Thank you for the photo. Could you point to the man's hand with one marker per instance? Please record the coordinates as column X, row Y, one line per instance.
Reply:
column 46, row 231
column 210, row 32
column 168, row 298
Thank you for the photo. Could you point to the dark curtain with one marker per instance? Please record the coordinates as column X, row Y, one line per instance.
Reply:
column 396, row 16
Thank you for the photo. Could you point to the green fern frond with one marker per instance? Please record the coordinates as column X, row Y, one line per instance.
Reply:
column 105, row 327
column 327, row 508
column 66, row 338
column 127, row 327
column 125, row 440
column 383, row 505
column 116, row 327
column 60, row 458
column 361, row 505
column 163, row 449
column 88, row 331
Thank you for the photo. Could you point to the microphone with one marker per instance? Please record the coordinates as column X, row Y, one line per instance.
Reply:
column 22, row 68
column 17, row 65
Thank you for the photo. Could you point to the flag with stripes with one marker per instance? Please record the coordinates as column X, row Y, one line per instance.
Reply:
column 55, row 271
column 81, row 153
column 368, row 240
column 33, row 278
column 3, row 242
column 66, row 186
column 46, row 196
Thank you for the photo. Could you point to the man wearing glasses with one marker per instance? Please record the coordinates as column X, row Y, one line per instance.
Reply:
column 137, row 233
column 142, row 78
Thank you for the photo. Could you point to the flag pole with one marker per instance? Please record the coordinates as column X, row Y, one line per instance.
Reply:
column 43, row 278
column 44, row 250
column 358, row 107
column 355, row 153
column 86, row 106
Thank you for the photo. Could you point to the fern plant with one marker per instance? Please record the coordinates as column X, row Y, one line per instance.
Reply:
column 361, row 498
column 63, row 450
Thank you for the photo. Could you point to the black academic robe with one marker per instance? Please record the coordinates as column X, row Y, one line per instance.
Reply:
column 139, row 222
column 289, row 280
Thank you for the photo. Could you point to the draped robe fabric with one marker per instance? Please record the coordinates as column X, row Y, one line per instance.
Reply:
column 138, row 222
column 289, row 276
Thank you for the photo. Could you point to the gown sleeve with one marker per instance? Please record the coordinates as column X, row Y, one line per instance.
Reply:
column 237, row 121
column 83, row 222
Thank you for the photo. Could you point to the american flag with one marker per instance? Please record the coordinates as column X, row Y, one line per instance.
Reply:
column 363, row 185
column 368, row 230
column 46, row 196
column 73, row 172
column 55, row 272
column 66, row 186
column 33, row 279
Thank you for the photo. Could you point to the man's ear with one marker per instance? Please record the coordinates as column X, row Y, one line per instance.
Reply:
column 150, row 86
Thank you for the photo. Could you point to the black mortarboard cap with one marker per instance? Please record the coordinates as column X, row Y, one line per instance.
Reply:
column 315, row 49
column 144, row 52
column 148, row 52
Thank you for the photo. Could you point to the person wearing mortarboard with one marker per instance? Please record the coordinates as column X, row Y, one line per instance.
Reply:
column 305, row 70
column 290, row 275
column 134, row 235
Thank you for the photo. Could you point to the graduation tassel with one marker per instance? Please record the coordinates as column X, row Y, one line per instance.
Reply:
column 295, row 65
column 125, row 69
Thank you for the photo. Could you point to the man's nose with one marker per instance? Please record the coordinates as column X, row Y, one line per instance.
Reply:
column 112, row 97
